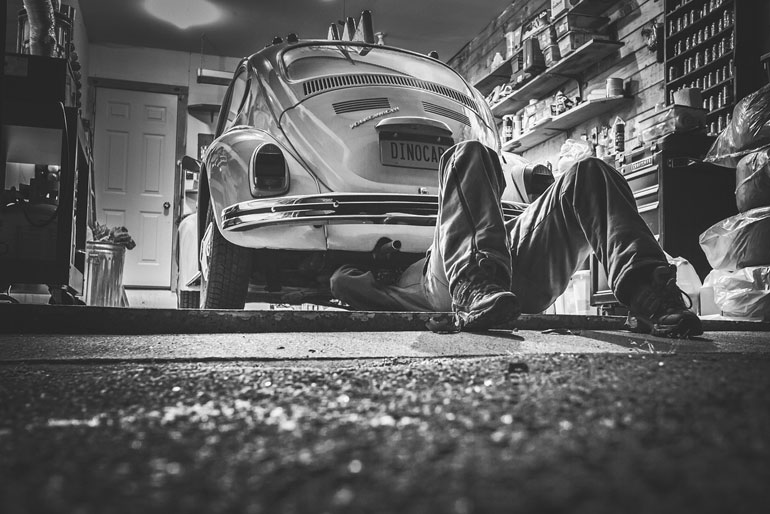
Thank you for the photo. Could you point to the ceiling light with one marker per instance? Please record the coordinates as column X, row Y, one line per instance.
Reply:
column 183, row 13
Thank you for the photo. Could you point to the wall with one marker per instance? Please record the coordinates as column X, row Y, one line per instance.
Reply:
column 633, row 62
column 166, row 67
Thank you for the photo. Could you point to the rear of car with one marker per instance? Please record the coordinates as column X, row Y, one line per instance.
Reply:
column 333, row 152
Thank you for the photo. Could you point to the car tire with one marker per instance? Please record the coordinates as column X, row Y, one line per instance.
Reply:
column 229, row 270
column 188, row 299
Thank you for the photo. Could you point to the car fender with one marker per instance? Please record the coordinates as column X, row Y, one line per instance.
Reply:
column 226, row 165
column 188, row 253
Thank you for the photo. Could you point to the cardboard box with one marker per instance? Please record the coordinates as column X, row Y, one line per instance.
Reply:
column 568, row 22
column 558, row 7
column 551, row 55
column 574, row 39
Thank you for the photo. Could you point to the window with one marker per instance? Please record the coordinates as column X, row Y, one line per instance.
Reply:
column 237, row 98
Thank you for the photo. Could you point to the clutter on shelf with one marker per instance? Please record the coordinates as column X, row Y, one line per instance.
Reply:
column 541, row 43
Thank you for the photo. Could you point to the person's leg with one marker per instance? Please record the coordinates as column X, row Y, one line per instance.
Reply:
column 469, row 263
column 361, row 290
column 589, row 208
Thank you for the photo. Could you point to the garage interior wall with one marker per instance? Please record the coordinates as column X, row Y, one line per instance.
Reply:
column 166, row 67
column 633, row 62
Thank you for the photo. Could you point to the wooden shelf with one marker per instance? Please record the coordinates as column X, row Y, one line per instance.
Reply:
column 701, row 70
column 699, row 23
column 551, row 127
column 499, row 75
column 592, row 7
column 705, row 44
column 568, row 68
column 203, row 111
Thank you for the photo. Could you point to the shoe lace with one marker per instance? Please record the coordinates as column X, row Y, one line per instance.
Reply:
column 477, row 283
column 672, row 296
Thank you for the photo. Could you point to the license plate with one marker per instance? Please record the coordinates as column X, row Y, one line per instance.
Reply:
column 411, row 154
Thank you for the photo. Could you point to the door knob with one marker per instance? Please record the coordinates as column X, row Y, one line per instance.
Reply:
column 166, row 206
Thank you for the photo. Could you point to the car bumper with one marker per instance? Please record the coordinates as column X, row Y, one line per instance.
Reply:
column 340, row 209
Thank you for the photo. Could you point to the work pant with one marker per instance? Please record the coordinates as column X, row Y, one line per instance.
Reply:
column 588, row 208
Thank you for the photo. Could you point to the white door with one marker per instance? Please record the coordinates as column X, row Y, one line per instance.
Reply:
column 134, row 154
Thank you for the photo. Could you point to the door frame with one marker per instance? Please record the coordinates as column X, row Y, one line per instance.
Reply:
column 181, row 93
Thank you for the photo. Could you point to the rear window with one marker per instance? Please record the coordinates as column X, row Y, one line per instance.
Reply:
column 328, row 59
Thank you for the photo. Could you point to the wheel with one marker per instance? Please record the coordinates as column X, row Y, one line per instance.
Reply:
column 225, row 280
column 188, row 299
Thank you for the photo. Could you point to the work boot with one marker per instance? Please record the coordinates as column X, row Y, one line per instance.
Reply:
column 659, row 307
column 480, row 301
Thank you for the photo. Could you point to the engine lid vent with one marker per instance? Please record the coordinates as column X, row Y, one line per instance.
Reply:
column 447, row 113
column 319, row 85
column 363, row 104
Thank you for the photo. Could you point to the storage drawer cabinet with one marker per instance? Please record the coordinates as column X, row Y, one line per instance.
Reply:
column 678, row 196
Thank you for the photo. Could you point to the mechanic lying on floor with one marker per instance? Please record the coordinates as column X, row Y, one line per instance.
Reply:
column 488, row 272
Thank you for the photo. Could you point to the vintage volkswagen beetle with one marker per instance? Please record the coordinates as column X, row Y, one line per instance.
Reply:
column 326, row 152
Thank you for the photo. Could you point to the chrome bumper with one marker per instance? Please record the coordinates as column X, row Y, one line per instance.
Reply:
column 341, row 209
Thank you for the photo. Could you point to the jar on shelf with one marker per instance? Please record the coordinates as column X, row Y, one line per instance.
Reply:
column 672, row 74
column 727, row 17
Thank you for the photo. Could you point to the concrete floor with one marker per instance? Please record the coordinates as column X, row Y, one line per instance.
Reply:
column 161, row 410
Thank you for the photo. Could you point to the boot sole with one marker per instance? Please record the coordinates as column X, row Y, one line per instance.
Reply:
column 687, row 327
column 504, row 307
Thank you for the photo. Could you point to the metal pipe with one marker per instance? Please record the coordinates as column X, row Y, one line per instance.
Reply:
column 42, row 38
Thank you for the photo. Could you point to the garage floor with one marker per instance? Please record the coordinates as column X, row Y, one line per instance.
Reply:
column 362, row 412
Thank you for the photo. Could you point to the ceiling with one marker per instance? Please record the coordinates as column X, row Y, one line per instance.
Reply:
column 245, row 26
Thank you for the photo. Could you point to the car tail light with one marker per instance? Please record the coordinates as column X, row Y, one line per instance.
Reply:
column 269, row 172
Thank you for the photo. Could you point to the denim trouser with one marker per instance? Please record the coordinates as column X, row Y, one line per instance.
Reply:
column 590, row 208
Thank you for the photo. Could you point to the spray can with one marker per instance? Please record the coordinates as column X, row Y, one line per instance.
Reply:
column 619, row 129
column 507, row 127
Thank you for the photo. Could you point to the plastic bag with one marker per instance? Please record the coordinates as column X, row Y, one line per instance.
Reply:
column 687, row 279
column 744, row 293
column 749, row 130
column 752, row 177
column 573, row 151
column 739, row 241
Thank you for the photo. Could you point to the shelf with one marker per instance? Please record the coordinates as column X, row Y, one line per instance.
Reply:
column 699, row 71
column 698, row 24
column 706, row 91
column 499, row 75
column 551, row 127
column 214, row 77
column 724, row 108
column 686, row 7
column 592, row 7
column 568, row 68
column 705, row 44
column 200, row 110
